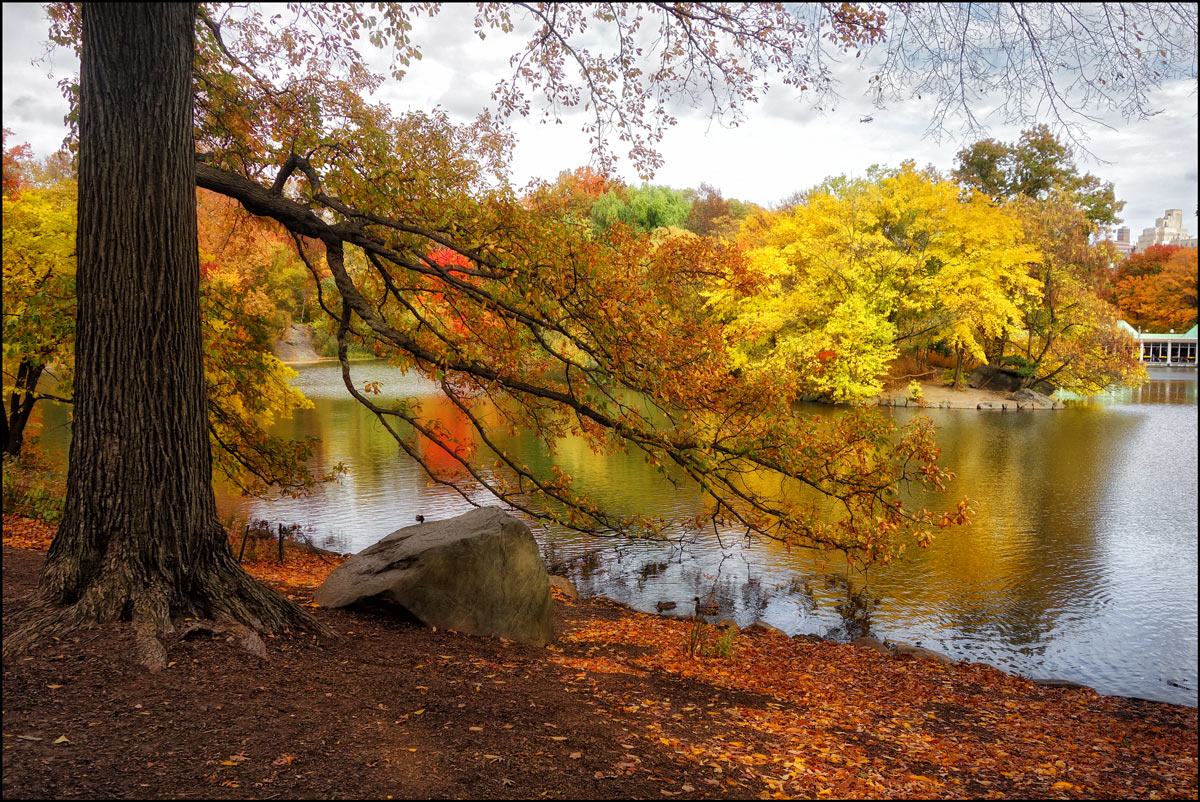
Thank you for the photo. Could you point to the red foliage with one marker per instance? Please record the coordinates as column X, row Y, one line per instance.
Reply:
column 15, row 159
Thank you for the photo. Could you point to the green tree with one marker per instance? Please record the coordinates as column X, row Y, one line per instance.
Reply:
column 645, row 208
column 1069, row 335
column 1034, row 167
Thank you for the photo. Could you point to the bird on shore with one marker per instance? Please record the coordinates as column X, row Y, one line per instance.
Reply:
column 420, row 519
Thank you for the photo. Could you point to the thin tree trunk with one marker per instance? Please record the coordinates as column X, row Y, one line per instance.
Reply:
column 140, row 539
column 20, row 406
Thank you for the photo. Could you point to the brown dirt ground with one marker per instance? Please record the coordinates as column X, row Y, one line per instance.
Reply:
column 612, row 710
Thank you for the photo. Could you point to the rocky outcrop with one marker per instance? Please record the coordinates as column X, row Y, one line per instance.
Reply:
column 479, row 573
column 867, row 642
column 295, row 344
column 1031, row 399
column 991, row 377
column 1002, row 380
column 921, row 653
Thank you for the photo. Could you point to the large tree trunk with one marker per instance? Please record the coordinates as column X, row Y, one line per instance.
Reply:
column 140, row 539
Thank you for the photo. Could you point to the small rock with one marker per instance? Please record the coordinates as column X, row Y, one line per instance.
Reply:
column 867, row 642
column 763, row 626
column 1031, row 398
column 564, row 584
column 921, row 653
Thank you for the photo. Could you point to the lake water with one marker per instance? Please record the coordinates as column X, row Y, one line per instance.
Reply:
column 1081, row 562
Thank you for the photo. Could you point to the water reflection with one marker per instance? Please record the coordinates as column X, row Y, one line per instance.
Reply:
column 1081, row 562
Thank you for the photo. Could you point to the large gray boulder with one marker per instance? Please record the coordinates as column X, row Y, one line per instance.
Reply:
column 991, row 377
column 479, row 573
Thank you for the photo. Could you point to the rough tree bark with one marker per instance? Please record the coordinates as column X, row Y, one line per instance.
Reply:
column 140, row 539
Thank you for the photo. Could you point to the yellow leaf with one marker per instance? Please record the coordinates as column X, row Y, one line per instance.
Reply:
column 62, row 739
column 1061, row 786
column 576, row 755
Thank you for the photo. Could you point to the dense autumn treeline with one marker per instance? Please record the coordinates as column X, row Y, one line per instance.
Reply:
column 827, row 295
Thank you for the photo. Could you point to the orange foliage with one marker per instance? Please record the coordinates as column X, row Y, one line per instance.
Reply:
column 14, row 159
column 1156, row 290
column 27, row 533
column 834, row 721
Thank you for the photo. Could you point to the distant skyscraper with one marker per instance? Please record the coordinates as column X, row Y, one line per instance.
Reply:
column 1167, row 230
column 1122, row 244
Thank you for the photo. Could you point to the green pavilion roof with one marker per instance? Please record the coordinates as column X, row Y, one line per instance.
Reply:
column 1190, row 334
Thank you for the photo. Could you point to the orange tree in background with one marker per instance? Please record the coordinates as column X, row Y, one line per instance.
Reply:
column 562, row 333
column 1156, row 289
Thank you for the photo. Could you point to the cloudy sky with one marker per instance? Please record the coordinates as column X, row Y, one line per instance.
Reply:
column 782, row 146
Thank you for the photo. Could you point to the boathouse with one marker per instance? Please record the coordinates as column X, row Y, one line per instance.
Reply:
column 1169, row 349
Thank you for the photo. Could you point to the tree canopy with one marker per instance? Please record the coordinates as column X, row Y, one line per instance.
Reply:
column 841, row 282
column 1036, row 165
column 1156, row 289
column 543, row 322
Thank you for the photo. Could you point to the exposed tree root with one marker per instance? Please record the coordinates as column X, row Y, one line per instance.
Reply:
column 232, row 601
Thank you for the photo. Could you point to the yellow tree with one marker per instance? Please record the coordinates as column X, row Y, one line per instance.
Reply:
column 838, row 284
column 1069, row 335
column 39, row 300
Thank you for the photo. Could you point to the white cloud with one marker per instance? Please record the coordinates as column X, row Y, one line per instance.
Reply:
column 782, row 146
column 34, row 107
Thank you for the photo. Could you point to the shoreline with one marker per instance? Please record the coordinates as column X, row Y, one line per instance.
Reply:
column 939, row 396
column 897, row 650
column 615, row 708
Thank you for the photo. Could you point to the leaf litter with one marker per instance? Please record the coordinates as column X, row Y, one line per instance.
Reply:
column 780, row 717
